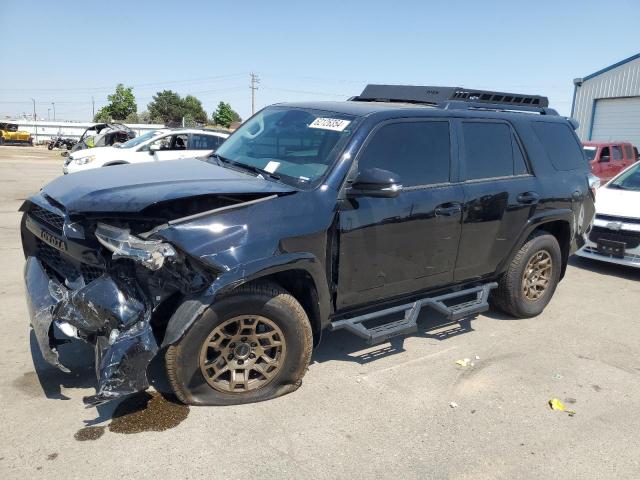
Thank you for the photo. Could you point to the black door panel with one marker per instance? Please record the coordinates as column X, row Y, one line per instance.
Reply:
column 493, row 218
column 395, row 246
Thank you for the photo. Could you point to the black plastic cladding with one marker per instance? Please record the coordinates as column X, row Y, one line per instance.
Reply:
column 380, row 255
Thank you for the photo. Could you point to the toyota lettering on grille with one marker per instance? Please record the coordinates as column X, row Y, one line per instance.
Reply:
column 52, row 240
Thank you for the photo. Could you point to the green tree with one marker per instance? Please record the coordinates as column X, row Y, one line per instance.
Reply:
column 166, row 106
column 193, row 109
column 169, row 108
column 225, row 115
column 122, row 103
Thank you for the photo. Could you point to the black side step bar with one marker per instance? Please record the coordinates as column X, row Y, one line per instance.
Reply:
column 408, row 324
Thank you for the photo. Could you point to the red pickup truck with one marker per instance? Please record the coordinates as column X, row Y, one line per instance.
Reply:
column 607, row 159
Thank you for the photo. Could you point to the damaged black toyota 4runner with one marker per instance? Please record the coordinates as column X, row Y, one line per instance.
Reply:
column 342, row 215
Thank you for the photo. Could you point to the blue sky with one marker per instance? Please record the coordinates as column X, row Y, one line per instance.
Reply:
column 66, row 52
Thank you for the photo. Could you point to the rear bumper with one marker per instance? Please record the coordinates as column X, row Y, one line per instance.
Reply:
column 108, row 313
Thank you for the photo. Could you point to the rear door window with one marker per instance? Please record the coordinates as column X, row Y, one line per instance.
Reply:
column 562, row 148
column 490, row 151
column 204, row 142
column 419, row 152
column 628, row 151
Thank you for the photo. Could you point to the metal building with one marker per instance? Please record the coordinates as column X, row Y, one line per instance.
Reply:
column 607, row 102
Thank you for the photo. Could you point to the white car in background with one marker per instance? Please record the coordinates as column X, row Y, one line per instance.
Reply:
column 615, row 235
column 153, row 146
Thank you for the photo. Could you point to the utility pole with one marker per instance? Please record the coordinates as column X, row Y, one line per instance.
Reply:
column 54, row 110
column 35, row 118
column 93, row 108
column 254, row 86
column 48, row 114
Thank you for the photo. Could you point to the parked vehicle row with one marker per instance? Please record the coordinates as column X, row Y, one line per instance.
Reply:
column 153, row 146
column 311, row 216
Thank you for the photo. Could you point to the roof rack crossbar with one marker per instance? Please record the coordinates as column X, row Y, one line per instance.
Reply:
column 455, row 97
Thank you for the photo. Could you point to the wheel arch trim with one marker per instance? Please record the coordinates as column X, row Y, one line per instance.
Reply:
column 194, row 306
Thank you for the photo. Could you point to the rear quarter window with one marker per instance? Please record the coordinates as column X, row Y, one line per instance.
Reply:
column 561, row 146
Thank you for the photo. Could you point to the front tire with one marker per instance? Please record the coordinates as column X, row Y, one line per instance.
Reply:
column 251, row 345
column 527, row 286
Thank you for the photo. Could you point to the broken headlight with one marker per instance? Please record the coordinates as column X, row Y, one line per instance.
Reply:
column 150, row 253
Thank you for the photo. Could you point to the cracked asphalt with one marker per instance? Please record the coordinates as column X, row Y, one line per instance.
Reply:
column 380, row 412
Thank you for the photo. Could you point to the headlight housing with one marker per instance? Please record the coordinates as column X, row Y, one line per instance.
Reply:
column 149, row 253
column 84, row 160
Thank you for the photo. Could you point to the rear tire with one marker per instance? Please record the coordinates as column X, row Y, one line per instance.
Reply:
column 527, row 286
column 259, row 332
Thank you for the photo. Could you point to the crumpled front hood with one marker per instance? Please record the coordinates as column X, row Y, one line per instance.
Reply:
column 131, row 188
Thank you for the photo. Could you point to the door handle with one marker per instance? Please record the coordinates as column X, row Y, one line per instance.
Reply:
column 528, row 197
column 448, row 209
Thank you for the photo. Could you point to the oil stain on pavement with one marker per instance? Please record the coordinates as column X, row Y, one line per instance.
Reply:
column 89, row 433
column 148, row 412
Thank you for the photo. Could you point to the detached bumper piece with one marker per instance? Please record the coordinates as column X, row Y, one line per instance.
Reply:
column 110, row 313
column 454, row 306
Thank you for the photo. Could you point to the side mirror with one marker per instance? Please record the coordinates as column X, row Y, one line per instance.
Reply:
column 154, row 148
column 375, row 182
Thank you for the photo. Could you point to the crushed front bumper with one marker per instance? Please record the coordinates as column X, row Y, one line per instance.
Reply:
column 110, row 313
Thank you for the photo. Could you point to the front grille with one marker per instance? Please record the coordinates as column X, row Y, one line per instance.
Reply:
column 53, row 259
column 90, row 273
column 630, row 239
column 56, row 261
column 52, row 219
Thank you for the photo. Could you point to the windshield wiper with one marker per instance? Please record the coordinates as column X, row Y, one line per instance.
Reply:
column 222, row 161
column 618, row 186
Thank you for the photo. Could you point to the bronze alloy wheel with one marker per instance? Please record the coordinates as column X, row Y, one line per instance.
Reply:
column 537, row 275
column 242, row 354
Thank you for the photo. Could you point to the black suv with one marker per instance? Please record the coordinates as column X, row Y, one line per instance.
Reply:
column 342, row 215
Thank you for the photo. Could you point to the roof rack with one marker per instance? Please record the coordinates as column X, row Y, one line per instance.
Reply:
column 455, row 98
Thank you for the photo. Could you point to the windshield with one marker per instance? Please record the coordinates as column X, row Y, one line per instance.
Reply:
column 590, row 152
column 297, row 145
column 629, row 180
column 138, row 140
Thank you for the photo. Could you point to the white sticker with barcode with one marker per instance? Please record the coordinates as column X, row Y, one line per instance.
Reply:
column 335, row 124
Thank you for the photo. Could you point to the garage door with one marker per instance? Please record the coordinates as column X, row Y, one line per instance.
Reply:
column 617, row 119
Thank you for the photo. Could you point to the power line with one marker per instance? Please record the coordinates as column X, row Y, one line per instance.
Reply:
column 135, row 85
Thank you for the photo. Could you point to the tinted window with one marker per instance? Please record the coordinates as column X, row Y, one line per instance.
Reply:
column 488, row 150
column 417, row 151
column 204, row 142
column 617, row 152
column 628, row 152
column 519, row 163
column 605, row 155
column 560, row 144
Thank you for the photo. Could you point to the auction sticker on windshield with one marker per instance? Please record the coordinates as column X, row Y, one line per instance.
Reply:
column 335, row 124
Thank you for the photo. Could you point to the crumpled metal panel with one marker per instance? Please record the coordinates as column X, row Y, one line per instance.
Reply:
column 41, row 305
column 109, row 312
